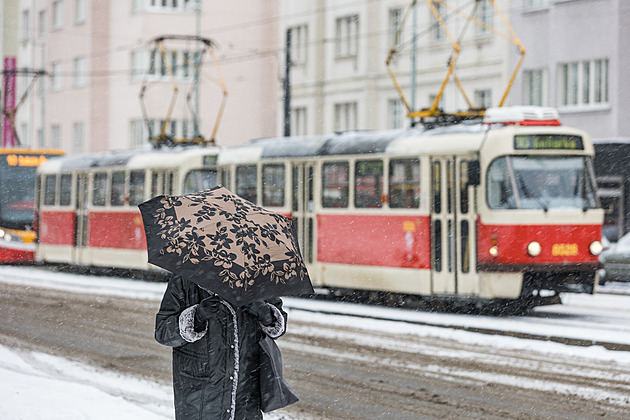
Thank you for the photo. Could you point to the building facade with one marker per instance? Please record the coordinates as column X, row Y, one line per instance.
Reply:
column 99, row 54
column 576, row 61
column 338, row 76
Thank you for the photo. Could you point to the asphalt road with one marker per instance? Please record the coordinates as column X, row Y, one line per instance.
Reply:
column 338, row 372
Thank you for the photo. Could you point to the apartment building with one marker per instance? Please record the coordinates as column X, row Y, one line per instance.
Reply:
column 577, row 61
column 99, row 54
column 338, row 76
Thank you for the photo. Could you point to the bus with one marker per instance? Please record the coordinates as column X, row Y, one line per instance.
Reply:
column 18, row 168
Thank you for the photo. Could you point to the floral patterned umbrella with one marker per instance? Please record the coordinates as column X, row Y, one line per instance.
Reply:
column 226, row 244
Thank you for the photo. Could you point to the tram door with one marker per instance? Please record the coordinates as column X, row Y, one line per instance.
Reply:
column 453, row 262
column 81, row 218
column 302, row 209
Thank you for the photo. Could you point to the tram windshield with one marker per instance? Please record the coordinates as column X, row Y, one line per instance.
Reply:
column 17, row 196
column 540, row 182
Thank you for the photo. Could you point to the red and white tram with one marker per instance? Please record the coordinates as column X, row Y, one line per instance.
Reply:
column 501, row 209
column 87, row 207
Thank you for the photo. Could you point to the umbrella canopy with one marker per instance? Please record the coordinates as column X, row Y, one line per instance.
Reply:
column 225, row 244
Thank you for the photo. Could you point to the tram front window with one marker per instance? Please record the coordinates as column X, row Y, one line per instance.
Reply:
column 540, row 182
column 17, row 196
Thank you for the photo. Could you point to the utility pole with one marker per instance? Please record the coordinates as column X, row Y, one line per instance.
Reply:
column 287, row 86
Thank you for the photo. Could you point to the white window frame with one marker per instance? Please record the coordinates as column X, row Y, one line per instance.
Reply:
column 26, row 25
column 56, row 82
column 485, row 14
column 78, row 137
column 437, row 31
column 535, row 87
column 345, row 116
column 55, row 136
column 299, row 121
column 394, row 20
column 57, row 16
column 80, row 11
column 583, row 84
column 80, row 72
column 347, row 36
column 395, row 113
column 42, row 28
column 299, row 44
column 483, row 98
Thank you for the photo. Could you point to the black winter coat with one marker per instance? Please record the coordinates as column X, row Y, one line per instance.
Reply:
column 215, row 372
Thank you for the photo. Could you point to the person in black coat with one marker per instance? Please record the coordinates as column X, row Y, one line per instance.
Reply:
column 215, row 350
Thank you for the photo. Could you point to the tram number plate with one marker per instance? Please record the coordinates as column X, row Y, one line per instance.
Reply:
column 564, row 250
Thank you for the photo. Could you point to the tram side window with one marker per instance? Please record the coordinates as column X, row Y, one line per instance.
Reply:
column 136, row 188
column 404, row 183
column 437, row 187
column 273, row 185
column 99, row 192
column 157, row 180
column 50, row 190
column 65, row 190
column 335, row 184
column 118, row 189
column 368, row 185
column 199, row 180
column 246, row 181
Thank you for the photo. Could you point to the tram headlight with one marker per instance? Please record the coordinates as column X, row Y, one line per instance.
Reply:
column 534, row 248
column 596, row 247
column 494, row 250
column 1, row 233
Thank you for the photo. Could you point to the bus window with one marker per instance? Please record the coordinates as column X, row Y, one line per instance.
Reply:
column 50, row 190
column 246, row 182
column 368, row 185
column 335, row 184
column 273, row 185
column 118, row 189
column 99, row 190
column 136, row 188
column 404, row 183
column 199, row 180
column 65, row 190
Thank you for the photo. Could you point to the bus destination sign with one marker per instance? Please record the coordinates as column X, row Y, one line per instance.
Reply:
column 548, row 142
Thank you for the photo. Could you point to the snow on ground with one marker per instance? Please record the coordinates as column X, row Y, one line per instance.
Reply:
column 37, row 385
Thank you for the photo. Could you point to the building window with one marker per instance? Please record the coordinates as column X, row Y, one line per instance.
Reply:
column 346, row 116
column 42, row 25
column 80, row 12
column 56, row 82
column 168, row 6
column 55, row 136
column 41, row 141
column 535, row 82
column 395, row 20
column 347, row 36
column 299, row 40
column 78, row 137
column 536, row 4
column 57, row 15
column 395, row 113
column 80, row 70
column 583, row 83
column 483, row 98
column 298, row 121
column 137, row 133
column 437, row 31
column 26, row 25
column 485, row 15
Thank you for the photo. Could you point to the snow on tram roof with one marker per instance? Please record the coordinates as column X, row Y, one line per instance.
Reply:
column 140, row 158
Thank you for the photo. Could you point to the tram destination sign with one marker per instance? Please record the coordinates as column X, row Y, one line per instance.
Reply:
column 548, row 142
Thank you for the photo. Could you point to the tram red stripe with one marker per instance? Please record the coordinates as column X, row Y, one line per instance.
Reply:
column 384, row 240
column 122, row 230
column 56, row 227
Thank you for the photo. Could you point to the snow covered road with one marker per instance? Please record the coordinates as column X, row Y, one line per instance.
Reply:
column 383, row 363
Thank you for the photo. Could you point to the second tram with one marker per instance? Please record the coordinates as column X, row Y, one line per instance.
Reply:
column 502, row 210
column 88, row 214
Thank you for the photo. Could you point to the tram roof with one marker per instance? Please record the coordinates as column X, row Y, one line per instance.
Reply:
column 356, row 143
column 123, row 158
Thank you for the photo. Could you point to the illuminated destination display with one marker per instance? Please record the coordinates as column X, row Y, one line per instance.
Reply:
column 548, row 142
column 25, row 160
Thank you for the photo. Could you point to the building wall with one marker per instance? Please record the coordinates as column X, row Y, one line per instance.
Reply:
column 577, row 31
column 324, row 79
column 108, row 105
